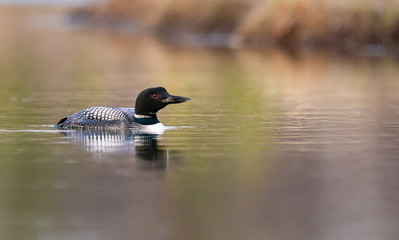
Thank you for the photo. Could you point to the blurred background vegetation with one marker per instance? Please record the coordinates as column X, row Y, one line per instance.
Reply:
column 337, row 24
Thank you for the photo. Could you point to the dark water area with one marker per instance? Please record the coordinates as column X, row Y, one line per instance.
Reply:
column 271, row 146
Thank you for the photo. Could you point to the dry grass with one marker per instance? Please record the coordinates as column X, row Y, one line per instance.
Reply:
column 287, row 22
column 322, row 23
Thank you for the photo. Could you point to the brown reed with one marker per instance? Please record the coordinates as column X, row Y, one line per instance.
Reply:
column 344, row 24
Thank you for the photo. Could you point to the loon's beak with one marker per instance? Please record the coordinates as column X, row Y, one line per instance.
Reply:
column 176, row 99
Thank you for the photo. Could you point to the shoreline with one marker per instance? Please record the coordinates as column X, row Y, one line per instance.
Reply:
column 240, row 23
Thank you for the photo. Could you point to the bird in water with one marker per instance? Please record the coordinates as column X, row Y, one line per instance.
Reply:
column 143, row 116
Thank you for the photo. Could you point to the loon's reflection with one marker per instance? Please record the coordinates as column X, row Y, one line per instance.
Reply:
column 111, row 143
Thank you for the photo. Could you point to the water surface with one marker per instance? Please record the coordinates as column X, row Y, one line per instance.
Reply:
column 273, row 145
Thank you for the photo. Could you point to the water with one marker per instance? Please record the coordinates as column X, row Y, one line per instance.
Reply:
column 271, row 146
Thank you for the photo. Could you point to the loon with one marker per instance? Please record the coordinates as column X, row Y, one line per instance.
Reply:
column 143, row 116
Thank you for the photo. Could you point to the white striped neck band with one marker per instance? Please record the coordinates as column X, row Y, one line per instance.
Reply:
column 142, row 116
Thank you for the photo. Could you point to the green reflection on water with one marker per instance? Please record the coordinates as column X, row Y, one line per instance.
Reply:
column 18, row 78
column 230, row 156
column 27, row 174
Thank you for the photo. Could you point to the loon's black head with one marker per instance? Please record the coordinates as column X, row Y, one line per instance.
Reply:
column 150, row 100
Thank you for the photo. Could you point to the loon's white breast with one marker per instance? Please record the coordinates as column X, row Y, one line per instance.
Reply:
column 157, row 128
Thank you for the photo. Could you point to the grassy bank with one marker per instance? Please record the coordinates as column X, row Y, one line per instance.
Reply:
column 327, row 23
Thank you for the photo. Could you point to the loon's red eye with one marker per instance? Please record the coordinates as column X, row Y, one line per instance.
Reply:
column 154, row 95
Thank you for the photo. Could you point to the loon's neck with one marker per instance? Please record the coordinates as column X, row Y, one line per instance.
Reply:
column 146, row 119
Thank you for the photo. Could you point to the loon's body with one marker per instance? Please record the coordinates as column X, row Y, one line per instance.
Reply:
column 100, row 117
column 144, row 115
